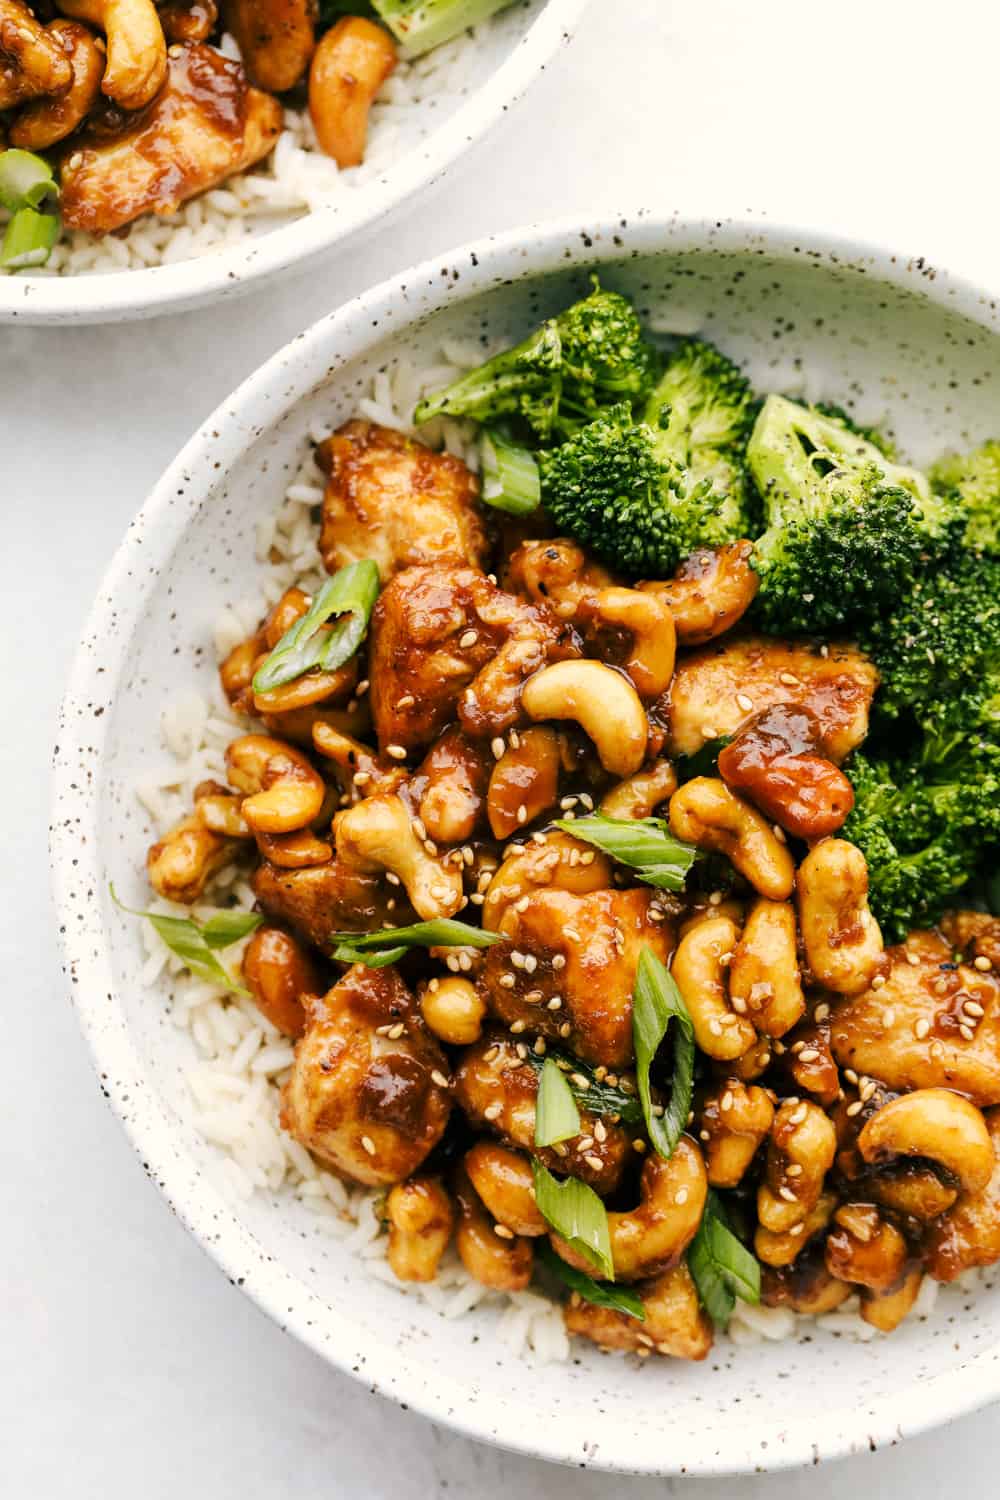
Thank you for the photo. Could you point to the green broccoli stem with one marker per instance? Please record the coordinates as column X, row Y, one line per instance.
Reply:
column 420, row 25
column 495, row 388
column 511, row 481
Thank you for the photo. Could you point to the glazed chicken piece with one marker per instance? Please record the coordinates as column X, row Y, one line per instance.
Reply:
column 446, row 643
column 805, row 1286
column 331, row 897
column 969, row 1234
column 975, row 934
column 931, row 1024
column 716, row 689
column 496, row 1085
column 368, row 1105
column 32, row 60
column 675, row 1324
column 582, row 951
column 204, row 125
column 276, row 39
column 396, row 501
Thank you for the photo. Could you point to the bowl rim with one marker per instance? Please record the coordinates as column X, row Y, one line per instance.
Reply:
column 119, row 296
column 259, row 403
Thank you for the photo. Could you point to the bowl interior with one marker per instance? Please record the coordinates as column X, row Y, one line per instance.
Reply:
column 861, row 333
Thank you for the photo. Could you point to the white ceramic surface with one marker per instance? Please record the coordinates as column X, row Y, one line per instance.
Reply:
column 852, row 321
column 515, row 48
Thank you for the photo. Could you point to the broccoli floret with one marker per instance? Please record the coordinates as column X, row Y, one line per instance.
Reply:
column 847, row 527
column 972, row 481
column 577, row 365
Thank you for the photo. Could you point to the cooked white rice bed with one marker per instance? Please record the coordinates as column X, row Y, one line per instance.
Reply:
column 243, row 1060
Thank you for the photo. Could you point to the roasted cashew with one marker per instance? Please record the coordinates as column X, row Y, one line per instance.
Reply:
column 841, row 938
column 454, row 1010
column 181, row 864
column 351, row 62
column 502, row 1261
column 421, row 1219
column 806, row 1288
column 294, row 851
column 754, row 1061
column 885, row 1310
column 284, row 790
column 916, row 1191
column 524, row 782
column 649, row 622
column 764, row 974
column 782, row 1247
column 555, row 571
column 311, row 688
column 935, row 1124
column 712, row 589
column 733, row 1121
column 279, row 971
column 32, row 60
column 46, row 121
column 640, row 795
column 504, row 1181
column 562, row 863
column 137, row 52
column 705, row 812
column 654, row 1236
column 675, row 1323
column 378, row 834
column 699, row 968
column 361, row 772
column 601, row 701
column 220, row 810
column 452, row 779
column 801, row 1151
column 864, row 1248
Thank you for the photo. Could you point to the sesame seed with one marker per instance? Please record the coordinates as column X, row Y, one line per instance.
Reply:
column 518, row 1026
column 787, row 1194
column 982, row 964
column 798, row 1115
column 808, row 1054
column 517, row 958
column 490, row 1054
column 368, row 1144
column 392, row 879
column 796, row 1229
column 584, row 1142
column 362, row 688
column 966, row 1033
column 594, row 1162
column 396, row 751
column 850, row 1075
column 515, row 740
column 581, row 1080
column 739, row 1004
column 794, row 1170
column 704, row 1135
column 867, row 1090
column 503, row 1231
column 559, row 961
column 530, row 963
column 888, row 1018
column 395, row 1032
column 567, row 802
column 431, row 847
column 439, row 1078
column 715, row 1027
column 572, row 934
column 656, row 914
column 521, row 1049
column 533, row 997
column 911, row 959
column 681, row 1196
column 715, row 899
column 555, row 1003
column 540, row 1047
column 727, row 1099
column 921, row 1028
column 468, row 639
column 464, row 963
column 452, row 962
column 639, row 1146
column 822, row 1012
column 973, row 1008
column 789, row 679
column 560, row 1148
column 878, row 981
column 744, row 702
column 362, row 778
column 507, row 981
column 498, row 747
column 600, row 1131
column 565, row 1029
column 855, row 1108
column 522, row 813
column 407, row 701
column 492, row 1111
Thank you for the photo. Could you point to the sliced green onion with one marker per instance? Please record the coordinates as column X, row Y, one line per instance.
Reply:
column 28, row 239
column 556, row 1115
column 305, row 647
column 656, row 1001
column 371, row 948
column 420, row 25
column 577, row 1215
column 511, row 480
column 596, row 1095
column 722, row 1267
column 703, row 762
column 194, row 944
column 646, row 845
column 26, row 180
column 602, row 1293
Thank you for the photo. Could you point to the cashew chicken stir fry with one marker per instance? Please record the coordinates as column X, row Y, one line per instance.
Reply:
column 479, row 842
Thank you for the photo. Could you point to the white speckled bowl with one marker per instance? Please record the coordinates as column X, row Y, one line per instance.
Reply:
column 851, row 321
column 517, row 46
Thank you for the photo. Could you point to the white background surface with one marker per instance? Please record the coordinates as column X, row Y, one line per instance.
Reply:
column 128, row 1365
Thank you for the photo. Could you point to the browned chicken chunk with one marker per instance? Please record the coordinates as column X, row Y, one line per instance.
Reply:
column 969, row 1234
column 396, row 501
column 445, row 641
column 206, row 124
column 276, row 39
column 930, row 1025
column 579, row 951
column 327, row 898
column 675, row 1322
column 369, row 1105
column 32, row 60
column 717, row 689
column 188, row 20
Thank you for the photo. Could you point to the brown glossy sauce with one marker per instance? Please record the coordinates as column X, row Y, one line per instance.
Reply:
column 393, row 1092
column 777, row 760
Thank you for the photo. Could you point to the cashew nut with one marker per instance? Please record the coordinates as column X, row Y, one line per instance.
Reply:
column 524, row 782
column 32, row 61
column 454, row 1010
column 885, row 1310
column 734, row 1120
column 864, row 1248
column 502, row 1260
column 782, row 1247
column 294, row 851
column 378, row 834
column 562, row 863
column 801, row 1151
column 451, row 784
column 137, row 52
column 654, row 1236
column 712, row 589
column 351, row 63
column 284, row 790
column 912, row 1189
column 361, row 771
column 675, row 1323
column 705, row 812
column 938, row 1125
column 842, row 940
column 49, row 120
column 421, row 1219
column 653, row 648
column 504, row 1181
column 278, row 971
column 764, row 974
column 806, row 1286
column 699, row 968
column 181, row 864
column 601, row 701
column 640, row 795
column 220, row 811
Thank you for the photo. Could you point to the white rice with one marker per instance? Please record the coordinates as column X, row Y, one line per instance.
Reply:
column 243, row 1060
column 297, row 178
